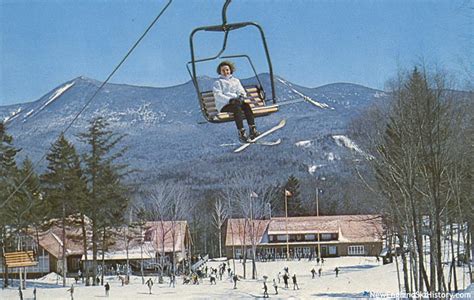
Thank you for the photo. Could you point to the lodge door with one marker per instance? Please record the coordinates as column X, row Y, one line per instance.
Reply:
column 324, row 251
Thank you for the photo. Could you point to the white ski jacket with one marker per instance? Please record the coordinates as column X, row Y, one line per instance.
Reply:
column 226, row 88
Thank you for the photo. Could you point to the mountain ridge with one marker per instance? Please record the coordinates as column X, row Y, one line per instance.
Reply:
column 167, row 141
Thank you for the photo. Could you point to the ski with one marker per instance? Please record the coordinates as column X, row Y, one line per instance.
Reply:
column 264, row 134
column 263, row 143
column 269, row 143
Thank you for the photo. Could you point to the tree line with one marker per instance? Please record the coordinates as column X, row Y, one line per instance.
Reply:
column 421, row 176
column 89, row 186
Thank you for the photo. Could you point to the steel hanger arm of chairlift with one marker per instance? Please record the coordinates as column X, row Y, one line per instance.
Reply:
column 224, row 11
column 224, row 57
column 226, row 28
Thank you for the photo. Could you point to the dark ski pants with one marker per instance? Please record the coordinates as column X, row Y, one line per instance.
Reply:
column 240, row 110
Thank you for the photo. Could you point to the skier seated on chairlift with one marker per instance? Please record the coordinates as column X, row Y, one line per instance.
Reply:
column 230, row 95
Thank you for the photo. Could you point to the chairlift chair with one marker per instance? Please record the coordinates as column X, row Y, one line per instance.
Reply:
column 261, row 106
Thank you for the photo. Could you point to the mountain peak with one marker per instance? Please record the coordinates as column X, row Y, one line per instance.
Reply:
column 344, row 85
column 86, row 79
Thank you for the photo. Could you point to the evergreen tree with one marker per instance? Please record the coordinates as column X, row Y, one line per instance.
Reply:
column 8, row 176
column 26, row 209
column 295, row 207
column 63, row 186
column 107, row 192
column 32, row 195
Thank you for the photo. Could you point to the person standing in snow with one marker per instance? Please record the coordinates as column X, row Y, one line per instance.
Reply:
column 337, row 271
column 265, row 290
column 285, row 279
column 107, row 289
column 320, row 271
column 212, row 278
column 230, row 97
column 312, row 273
column 149, row 283
column 275, row 286
column 71, row 291
column 235, row 279
column 295, row 284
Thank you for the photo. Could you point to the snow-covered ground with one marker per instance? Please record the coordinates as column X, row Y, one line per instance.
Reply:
column 358, row 277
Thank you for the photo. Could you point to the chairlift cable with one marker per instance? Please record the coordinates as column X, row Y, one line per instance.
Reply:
column 90, row 100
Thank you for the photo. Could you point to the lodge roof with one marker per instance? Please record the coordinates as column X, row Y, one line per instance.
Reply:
column 117, row 238
column 350, row 228
column 239, row 231
column 164, row 233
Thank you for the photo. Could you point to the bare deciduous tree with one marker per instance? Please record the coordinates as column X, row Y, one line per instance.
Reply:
column 249, row 198
column 219, row 217
column 415, row 170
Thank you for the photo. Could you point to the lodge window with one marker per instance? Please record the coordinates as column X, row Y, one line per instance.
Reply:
column 356, row 250
column 332, row 250
column 148, row 236
column 238, row 253
column 310, row 237
column 281, row 237
column 326, row 236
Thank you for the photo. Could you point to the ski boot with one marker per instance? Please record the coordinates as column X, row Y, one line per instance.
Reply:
column 243, row 136
column 253, row 132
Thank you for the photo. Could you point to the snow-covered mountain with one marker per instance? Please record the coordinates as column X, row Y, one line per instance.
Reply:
column 168, row 140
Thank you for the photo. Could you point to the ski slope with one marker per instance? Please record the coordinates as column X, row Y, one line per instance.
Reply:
column 358, row 277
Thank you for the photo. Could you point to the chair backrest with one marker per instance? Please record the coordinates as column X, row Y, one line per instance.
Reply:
column 254, row 93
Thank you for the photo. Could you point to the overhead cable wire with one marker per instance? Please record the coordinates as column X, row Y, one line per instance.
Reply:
column 84, row 107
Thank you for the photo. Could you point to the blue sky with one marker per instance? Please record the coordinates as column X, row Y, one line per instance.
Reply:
column 44, row 43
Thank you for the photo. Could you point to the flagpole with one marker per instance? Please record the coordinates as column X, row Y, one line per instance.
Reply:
column 317, row 214
column 286, row 227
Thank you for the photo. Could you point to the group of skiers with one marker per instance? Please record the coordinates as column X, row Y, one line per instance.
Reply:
column 285, row 277
column 222, row 268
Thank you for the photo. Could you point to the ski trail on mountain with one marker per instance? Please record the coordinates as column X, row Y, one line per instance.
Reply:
column 307, row 98
column 51, row 99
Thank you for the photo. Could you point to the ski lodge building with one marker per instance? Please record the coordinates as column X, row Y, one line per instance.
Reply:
column 303, row 237
column 148, row 244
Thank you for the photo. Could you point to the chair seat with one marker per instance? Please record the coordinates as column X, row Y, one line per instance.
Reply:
column 257, row 104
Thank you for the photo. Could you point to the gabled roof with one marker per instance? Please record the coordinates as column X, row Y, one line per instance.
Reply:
column 350, row 228
column 240, row 231
column 162, row 234
column 302, row 225
column 117, row 238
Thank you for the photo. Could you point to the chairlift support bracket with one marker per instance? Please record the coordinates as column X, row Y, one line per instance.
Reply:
column 226, row 28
